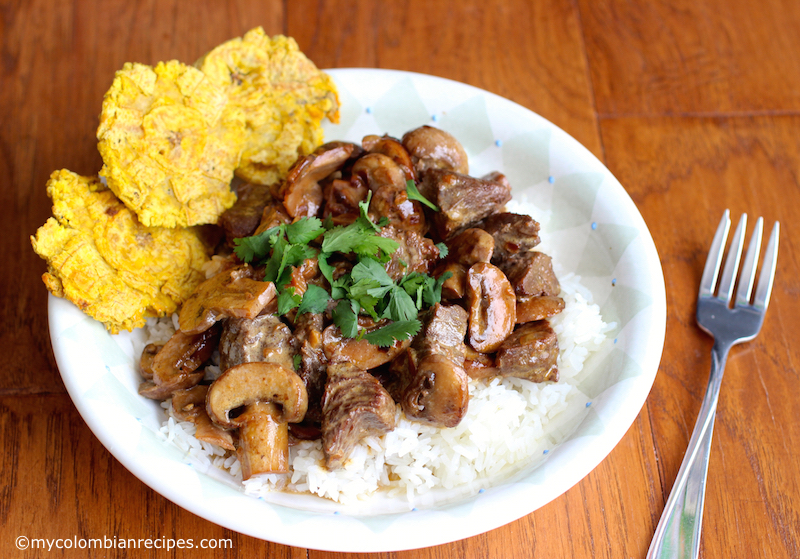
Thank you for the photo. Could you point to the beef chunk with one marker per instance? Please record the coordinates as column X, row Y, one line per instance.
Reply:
column 263, row 338
column 530, row 352
column 354, row 406
column 434, row 385
column 531, row 274
column 242, row 219
column 416, row 253
column 513, row 234
column 313, row 366
column 463, row 200
column 272, row 216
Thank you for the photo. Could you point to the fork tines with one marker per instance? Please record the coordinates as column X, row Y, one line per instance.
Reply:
column 727, row 282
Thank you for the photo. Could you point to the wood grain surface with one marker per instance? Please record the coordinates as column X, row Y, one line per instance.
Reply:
column 694, row 105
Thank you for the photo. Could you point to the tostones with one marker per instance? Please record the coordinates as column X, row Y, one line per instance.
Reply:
column 169, row 143
column 284, row 98
column 104, row 260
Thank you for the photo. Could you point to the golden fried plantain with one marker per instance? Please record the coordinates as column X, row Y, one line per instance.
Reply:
column 169, row 144
column 104, row 260
column 284, row 98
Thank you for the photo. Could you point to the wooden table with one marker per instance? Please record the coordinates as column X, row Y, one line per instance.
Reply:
column 693, row 104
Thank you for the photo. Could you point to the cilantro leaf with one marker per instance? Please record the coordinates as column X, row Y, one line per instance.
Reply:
column 432, row 292
column 325, row 268
column 256, row 247
column 342, row 238
column 359, row 237
column 304, row 230
column 287, row 300
column 346, row 318
column 443, row 250
column 368, row 268
column 296, row 361
column 363, row 218
column 414, row 194
column 315, row 300
column 398, row 330
column 273, row 268
column 401, row 306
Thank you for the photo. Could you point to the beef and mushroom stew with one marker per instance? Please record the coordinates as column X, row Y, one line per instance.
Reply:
column 383, row 290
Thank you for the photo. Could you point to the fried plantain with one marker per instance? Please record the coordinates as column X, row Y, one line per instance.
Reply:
column 104, row 260
column 284, row 98
column 170, row 143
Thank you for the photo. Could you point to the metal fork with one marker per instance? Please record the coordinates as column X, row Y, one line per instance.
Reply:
column 730, row 322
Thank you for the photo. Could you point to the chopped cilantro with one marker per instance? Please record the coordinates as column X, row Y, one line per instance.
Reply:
column 443, row 250
column 315, row 300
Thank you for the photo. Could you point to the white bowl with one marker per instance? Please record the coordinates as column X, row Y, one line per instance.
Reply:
column 590, row 226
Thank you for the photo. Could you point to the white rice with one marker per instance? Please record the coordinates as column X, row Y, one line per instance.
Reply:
column 509, row 423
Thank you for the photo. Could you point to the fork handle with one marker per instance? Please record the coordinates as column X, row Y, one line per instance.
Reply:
column 678, row 532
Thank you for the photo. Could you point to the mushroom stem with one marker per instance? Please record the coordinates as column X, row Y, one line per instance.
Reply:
column 263, row 441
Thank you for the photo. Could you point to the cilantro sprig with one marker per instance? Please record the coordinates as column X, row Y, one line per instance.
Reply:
column 413, row 193
column 365, row 290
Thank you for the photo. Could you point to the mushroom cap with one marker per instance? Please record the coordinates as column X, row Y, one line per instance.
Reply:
column 249, row 383
column 433, row 147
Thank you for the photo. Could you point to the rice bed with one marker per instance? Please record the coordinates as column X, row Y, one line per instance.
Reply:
column 509, row 424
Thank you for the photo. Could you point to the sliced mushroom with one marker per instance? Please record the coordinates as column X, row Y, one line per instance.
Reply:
column 190, row 405
column 479, row 365
column 439, row 394
column 359, row 352
column 176, row 365
column 270, row 396
column 377, row 170
column 436, row 387
column 492, row 307
column 232, row 293
column 530, row 309
column 431, row 147
column 455, row 286
column 392, row 148
column 146, row 360
column 301, row 192
column 342, row 198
